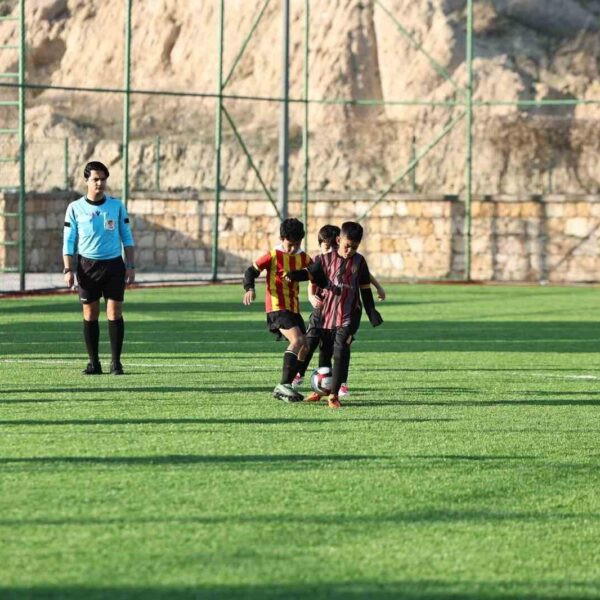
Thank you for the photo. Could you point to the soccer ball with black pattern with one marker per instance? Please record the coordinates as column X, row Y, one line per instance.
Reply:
column 320, row 381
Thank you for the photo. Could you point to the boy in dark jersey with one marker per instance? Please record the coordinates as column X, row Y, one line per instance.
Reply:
column 316, row 335
column 281, row 300
column 347, row 275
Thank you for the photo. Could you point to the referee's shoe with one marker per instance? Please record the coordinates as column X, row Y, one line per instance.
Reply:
column 116, row 368
column 93, row 368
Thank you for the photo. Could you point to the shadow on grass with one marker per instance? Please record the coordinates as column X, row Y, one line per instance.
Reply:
column 481, row 403
column 210, row 421
column 150, row 389
column 275, row 461
column 249, row 337
column 357, row 589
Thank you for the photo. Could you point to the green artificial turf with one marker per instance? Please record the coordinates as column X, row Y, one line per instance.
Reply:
column 465, row 464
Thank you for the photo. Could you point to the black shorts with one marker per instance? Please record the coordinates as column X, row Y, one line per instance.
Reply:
column 314, row 321
column 98, row 278
column 284, row 319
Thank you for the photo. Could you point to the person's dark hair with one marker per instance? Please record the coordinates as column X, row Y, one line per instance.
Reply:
column 352, row 230
column 95, row 166
column 328, row 234
column 291, row 229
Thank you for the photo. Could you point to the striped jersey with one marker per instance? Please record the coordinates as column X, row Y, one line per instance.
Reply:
column 281, row 294
column 349, row 275
column 96, row 229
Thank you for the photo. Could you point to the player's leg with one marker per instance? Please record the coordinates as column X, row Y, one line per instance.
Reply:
column 312, row 338
column 89, row 296
column 296, row 344
column 341, row 362
column 326, row 347
column 114, row 292
column 326, row 339
column 295, row 337
column 116, row 334
column 355, row 324
column 344, row 391
column 91, row 336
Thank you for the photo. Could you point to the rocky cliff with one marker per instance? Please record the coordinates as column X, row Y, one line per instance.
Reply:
column 393, row 50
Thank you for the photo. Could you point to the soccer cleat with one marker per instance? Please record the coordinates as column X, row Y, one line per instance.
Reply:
column 297, row 381
column 344, row 391
column 116, row 368
column 285, row 392
column 93, row 368
column 333, row 401
column 313, row 397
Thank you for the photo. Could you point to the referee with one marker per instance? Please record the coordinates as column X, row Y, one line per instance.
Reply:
column 96, row 227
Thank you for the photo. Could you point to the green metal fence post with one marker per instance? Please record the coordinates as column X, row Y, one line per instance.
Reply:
column 126, row 101
column 22, row 147
column 469, row 140
column 218, row 141
column 306, row 123
column 157, row 163
column 413, row 172
column 284, row 132
column 66, row 162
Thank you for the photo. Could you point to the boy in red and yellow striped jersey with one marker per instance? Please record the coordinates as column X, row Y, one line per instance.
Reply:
column 281, row 300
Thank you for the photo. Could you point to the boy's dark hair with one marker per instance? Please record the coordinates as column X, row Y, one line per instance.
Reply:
column 291, row 229
column 352, row 230
column 328, row 234
column 95, row 166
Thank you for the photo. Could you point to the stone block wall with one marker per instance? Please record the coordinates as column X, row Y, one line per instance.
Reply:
column 411, row 237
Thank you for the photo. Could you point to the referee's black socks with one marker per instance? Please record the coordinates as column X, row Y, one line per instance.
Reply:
column 116, row 333
column 91, row 335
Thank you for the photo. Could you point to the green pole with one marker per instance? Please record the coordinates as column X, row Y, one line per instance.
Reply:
column 282, row 196
column 469, row 140
column 306, row 123
column 126, row 101
column 22, row 260
column 413, row 172
column 218, row 141
column 66, row 162
column 157, row 163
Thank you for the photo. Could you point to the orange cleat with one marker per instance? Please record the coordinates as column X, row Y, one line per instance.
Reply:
column 333, row 401
column 313, row 397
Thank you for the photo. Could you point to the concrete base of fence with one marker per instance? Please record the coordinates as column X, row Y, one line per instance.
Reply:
column 407, row 237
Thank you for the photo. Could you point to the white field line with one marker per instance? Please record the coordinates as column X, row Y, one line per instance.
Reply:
column 158, row 365
column 42, row 361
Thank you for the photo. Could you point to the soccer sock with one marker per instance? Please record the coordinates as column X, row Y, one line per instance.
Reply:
column 301, row 366
column 312, row 343
column 341, row 363
column 290, row 362
column 345, row 373
column 116, row 333
column 91, row 335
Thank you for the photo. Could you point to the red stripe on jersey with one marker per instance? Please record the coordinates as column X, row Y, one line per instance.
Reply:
column 294, row 288
column 279, row 283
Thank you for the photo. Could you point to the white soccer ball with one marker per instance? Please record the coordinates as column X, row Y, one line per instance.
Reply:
column 320, row 381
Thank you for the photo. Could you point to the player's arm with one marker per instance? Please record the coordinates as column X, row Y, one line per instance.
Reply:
column 313, row 273
column 129, row 264
column 69, row 242
column 250, row 275
column 128, row 245
column 366, row 295
column 380, row 290
column 314, row 300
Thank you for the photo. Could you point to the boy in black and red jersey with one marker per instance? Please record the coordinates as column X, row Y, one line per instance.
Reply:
column 316, row 336
column 348, row 276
